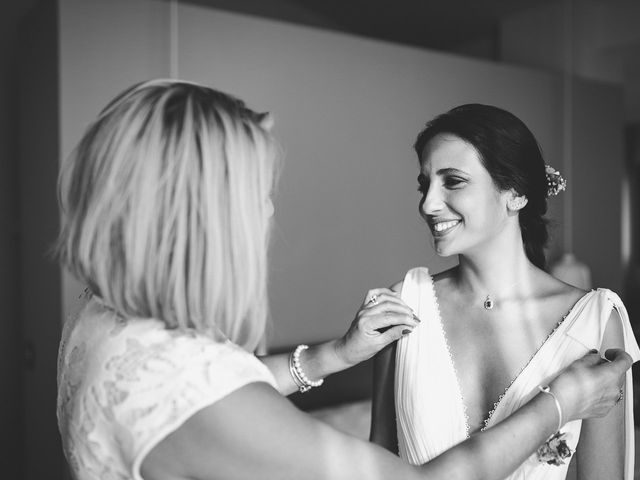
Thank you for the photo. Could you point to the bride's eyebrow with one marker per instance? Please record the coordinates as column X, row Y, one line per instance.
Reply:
column 451, row 171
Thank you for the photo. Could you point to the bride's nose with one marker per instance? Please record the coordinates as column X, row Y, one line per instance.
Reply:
column 433, row 201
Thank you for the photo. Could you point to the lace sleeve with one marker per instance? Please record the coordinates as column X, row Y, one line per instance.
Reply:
column 156, row 388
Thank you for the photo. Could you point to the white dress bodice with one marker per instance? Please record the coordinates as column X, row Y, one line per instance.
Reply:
column 430, row 409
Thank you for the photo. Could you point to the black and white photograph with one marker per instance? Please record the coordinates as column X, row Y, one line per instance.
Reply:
column 338, row 240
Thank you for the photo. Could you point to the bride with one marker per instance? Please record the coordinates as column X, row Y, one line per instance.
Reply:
column 496, row 328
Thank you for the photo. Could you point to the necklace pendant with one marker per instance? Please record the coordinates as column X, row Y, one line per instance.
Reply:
column 488, row 303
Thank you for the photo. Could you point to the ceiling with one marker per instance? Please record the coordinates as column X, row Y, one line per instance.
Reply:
column 448, row 25
column 443, row 24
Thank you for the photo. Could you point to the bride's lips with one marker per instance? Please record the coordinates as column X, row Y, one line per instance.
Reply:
column 440, row 228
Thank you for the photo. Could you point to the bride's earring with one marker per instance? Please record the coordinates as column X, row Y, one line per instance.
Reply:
column 517, row 203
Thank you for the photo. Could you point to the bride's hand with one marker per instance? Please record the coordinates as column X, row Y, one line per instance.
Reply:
column 591, row 385
column 383, row 318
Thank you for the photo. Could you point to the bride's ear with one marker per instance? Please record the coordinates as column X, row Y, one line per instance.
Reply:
column 516, row 202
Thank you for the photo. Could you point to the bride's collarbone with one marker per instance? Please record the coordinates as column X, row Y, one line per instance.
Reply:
column 506, row 334
column 535, row 313
column 546, row 302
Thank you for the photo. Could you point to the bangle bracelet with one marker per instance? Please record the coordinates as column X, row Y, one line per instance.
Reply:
column 546, row 389
column 299, row 377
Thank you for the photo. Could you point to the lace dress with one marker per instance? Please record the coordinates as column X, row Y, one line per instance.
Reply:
column 430, row 421
column 124, row 385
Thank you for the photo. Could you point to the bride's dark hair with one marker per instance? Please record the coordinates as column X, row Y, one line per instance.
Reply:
column 511, row 155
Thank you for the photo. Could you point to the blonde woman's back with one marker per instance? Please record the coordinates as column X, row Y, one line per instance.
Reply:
column 125, row 384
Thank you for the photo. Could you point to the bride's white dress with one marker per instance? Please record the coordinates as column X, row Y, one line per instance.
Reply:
column 430, row 410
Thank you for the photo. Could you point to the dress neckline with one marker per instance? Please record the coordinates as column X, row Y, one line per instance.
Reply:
column 487, row 421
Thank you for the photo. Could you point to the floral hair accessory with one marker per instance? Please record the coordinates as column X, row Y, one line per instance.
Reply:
column 555, row 450
column 555, row 182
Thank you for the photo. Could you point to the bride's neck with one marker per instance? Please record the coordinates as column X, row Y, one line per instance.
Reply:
column 497, row 269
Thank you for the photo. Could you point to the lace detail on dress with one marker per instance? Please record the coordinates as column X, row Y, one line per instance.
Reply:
column 125, row 384
column 453, row 365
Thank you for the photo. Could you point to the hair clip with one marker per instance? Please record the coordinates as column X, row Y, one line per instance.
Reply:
column 555, row 182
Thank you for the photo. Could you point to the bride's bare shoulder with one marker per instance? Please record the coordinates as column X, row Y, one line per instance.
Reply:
column 553, row 288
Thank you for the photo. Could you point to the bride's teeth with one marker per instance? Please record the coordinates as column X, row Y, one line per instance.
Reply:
column 440, row 227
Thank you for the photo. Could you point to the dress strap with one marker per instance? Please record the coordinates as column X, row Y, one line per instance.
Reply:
column 597, row 310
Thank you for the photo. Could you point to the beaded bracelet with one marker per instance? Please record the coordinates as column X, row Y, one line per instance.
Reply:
column 301, row 380
column 547, row 390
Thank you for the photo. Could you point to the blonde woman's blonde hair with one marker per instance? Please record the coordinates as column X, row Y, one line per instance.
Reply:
column 163, row 207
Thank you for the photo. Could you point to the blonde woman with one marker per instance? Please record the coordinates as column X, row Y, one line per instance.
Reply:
column 165, row 213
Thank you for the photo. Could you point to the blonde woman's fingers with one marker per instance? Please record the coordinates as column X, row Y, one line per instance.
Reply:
column 385, row 307
column 395, row 333
column 391, row 319
column 391, row 297
column 619, row 359
column 385, row 299
column 374, row 296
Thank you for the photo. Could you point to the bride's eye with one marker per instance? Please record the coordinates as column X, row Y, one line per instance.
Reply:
column 453, row 182
column 423, row 184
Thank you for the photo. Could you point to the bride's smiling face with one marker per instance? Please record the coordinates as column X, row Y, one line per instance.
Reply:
column 460, row 202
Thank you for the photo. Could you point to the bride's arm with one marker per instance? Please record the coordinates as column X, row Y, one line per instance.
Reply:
column 600, row 451
column 383, row 416
column 383, row 408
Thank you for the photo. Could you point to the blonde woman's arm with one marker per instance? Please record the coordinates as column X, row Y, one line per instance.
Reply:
column 256, row 433
column 376, row 325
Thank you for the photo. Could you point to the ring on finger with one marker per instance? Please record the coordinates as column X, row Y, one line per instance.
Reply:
column 620, row 396
column 373, row 300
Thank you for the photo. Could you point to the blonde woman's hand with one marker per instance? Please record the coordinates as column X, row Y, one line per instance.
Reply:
column 382, row 319
column 591, row 385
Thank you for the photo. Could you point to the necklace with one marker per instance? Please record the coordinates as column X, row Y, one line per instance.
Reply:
column 489, row 302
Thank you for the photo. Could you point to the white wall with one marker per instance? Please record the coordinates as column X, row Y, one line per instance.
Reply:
column 347, row 110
